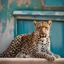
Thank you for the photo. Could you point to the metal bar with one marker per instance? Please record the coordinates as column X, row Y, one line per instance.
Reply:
column 40, row 13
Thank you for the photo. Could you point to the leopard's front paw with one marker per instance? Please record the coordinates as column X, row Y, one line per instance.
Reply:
column 51, row 58
column 57, row 56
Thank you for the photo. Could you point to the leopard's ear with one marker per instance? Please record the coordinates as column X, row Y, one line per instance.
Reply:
column 35, row 22
column 49, row 22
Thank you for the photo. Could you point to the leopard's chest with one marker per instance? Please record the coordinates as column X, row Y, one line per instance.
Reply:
column 43, row 45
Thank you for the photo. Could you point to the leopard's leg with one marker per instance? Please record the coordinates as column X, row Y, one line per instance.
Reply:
column 57, row 56
column 43, row 55
column 49, row 52
column 22, row 55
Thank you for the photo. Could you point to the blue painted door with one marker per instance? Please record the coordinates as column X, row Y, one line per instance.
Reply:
column 24, row 27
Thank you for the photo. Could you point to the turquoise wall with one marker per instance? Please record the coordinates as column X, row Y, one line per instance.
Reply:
column 7, row 21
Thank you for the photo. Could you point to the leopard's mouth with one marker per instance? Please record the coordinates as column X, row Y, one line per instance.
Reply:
column 42, row 35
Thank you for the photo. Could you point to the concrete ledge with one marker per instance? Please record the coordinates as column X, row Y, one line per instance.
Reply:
column 29, row 61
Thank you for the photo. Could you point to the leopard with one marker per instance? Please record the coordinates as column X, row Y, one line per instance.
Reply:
column 32, row 45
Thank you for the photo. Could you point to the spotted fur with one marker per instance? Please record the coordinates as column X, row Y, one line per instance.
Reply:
column 35, row 45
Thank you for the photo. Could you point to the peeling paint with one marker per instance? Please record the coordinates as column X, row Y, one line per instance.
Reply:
column 9, row 14
column 7, row 35
column 3, row 21
column 1, row 7
column 10, row 2
column 0, row 27
column 27, row 6
column 20, row 2
column 35, row 7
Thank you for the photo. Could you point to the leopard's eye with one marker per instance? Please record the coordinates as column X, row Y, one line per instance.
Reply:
column 39, row 27
column 47, row 28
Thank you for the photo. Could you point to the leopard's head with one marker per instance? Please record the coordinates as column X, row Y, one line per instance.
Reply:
column 43, row 27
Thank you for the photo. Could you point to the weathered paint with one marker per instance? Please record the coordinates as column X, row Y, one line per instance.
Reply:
column 7, row 35
column 0, row 6
column 10, row 2
column 20, row 2
column 35, row 7
column 42, row 13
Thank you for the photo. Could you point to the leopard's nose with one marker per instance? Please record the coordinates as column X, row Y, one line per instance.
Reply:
column 43, row 30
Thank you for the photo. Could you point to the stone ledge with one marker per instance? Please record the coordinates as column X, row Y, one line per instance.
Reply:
column 29, row 61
